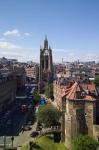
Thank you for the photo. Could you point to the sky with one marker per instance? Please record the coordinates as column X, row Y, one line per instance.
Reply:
column 71, row 26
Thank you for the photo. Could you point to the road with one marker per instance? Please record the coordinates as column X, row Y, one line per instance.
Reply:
column 13, row 119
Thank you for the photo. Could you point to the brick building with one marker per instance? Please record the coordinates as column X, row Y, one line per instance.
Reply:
column 32, row 72
column 79, row 106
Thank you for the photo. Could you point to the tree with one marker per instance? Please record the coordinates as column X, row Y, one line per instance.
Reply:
column 96, row 81
column 48, row 115
column 84, row 142
column 36, row 98
column 49, row 90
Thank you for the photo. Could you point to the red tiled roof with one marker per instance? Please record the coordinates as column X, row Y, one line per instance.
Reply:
column 89, row 98
column 77, row 92
column 71, row 94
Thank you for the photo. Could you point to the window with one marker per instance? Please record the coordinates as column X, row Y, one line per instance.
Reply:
column 80, row 113
column 42, row 64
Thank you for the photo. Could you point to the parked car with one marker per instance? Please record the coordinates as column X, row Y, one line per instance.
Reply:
column 38, row 128
column 26, row 128
column 34, row 134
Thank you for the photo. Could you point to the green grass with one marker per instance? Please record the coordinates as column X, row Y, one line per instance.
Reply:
column 45, row 143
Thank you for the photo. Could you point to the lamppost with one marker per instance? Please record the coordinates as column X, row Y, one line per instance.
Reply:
column 4, row 137
column 4, row 142
column 12, row 139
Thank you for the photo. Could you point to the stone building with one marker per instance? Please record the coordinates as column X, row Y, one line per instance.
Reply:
column 19, row 72
column 32, row 72
column 12, row 79
column 59, row 87
column 8, row 87
column 46, row 66
column 79, row 106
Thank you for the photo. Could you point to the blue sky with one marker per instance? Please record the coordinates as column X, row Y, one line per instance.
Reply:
column 72, row 28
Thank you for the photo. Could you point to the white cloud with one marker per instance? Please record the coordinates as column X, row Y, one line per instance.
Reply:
column 7, row 45
column 74, row 55
column 11, row 50
column 21, row 54
column 14, row 32
column 27, row 34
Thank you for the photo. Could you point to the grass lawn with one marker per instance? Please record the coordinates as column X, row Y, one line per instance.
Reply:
column 45, row 143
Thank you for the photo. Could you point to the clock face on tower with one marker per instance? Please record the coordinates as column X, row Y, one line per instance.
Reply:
column 46, row 52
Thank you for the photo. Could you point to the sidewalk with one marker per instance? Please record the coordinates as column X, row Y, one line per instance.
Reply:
column 24, row 137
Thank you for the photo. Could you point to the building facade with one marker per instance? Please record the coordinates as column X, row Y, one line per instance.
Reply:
column 79, row 106
column 20, row 75
column 32, row 72
column 8, row 87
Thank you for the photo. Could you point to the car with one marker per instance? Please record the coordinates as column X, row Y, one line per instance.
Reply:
column 34, row 134
column 38, row 128
column 26, row 128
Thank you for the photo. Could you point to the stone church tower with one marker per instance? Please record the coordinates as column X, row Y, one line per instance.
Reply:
column 46, row 67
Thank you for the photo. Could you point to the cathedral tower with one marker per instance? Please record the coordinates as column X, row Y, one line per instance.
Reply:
column 46, row 69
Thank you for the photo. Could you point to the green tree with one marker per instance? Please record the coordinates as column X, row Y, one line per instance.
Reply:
column 36, row 98
column 84, row 142
column 49, row 90
column 96, row 81
column 48, row 115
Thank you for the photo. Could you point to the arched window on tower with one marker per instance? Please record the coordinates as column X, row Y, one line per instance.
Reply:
column 46, row 62
column 42, row 64
column 46, row 54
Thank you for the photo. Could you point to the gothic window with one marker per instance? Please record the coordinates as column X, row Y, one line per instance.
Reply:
column 42, row 64
column 46, row 62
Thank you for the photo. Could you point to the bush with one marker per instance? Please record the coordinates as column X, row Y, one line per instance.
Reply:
column 84, row 142
column 36, row 98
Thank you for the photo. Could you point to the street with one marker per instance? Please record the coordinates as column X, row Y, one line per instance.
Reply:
column 17, row 116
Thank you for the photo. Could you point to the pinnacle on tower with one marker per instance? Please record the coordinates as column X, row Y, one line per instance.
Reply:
column 46, row 43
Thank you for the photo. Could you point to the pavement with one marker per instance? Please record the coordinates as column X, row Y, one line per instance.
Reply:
column 24, row 138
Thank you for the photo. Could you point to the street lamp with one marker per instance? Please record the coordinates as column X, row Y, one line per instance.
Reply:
column 4, row 142
column 12, row 139
column 4, row 137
